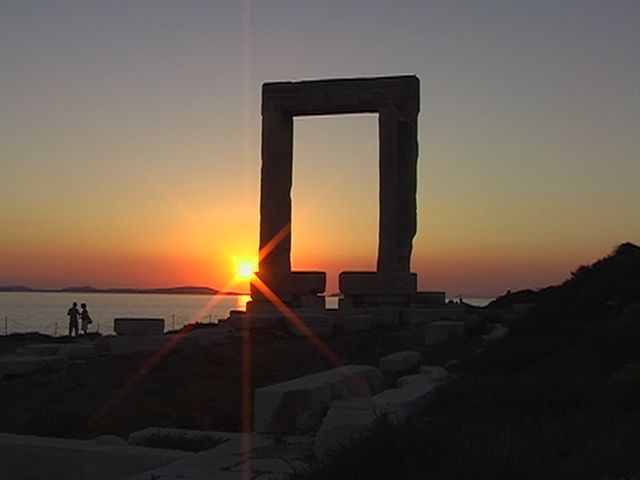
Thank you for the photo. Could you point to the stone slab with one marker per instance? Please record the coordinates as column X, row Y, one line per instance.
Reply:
column 295, row 283
column 428, row 377
column 138, row 326
column 298, row 405
column 27, row 457
column 400, row 363
column 436, row 373
column 215, row 463
column 333, row 96
column 340, row 427
column 407, row 402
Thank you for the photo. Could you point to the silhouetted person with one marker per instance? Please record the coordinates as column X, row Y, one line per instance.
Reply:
column 73, row 314
column 86, row 319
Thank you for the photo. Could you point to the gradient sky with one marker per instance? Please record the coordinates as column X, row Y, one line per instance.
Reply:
column 130, row 137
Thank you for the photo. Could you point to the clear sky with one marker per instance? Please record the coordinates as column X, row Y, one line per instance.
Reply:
column 130, row 137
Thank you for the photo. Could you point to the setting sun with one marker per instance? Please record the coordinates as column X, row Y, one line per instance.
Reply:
column 245, row 271
column 244, row 268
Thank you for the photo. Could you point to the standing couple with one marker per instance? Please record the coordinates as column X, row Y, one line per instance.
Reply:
column 85, row 319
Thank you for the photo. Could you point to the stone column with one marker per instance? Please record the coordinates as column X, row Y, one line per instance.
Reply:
column 407, row 161
column 275, row 192
column 398, row 163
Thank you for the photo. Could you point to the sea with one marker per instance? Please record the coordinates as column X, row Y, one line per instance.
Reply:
column 46, row 312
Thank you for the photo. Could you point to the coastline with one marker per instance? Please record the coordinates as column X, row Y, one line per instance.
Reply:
column 187, row 290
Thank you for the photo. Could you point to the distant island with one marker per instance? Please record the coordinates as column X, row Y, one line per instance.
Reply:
column 183, row 290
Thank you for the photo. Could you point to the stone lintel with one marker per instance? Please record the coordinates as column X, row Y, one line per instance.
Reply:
column 290, row 283
column 342, row 95
column 377, row 283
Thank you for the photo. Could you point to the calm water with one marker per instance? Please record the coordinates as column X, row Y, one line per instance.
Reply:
column 47, row 312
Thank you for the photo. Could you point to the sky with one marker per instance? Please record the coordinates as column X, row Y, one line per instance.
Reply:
column 130, row 137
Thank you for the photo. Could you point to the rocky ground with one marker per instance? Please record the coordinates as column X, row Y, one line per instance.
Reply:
column 189, row 386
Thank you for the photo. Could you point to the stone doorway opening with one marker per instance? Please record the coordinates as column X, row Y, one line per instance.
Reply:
column 334, row 194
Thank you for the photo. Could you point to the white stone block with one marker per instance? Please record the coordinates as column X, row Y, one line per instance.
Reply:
column 438, row 332
column 340, row 427
column 436, row 373
column 404, row 403
column 299, row 405
column 400, row 362
column 414, row 380
column 348, row 419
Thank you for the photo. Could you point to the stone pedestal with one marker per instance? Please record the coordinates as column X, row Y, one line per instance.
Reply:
column 377, row 289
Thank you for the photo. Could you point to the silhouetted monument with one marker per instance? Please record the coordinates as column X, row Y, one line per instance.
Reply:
column 397, row 102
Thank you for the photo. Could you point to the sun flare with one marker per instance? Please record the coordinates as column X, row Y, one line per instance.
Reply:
column 245, row 271
column 245, row 267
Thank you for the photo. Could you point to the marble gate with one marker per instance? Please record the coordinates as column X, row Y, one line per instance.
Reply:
column 396, row 100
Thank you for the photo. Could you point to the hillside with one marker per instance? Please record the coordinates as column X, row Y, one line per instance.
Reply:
column 558, row 398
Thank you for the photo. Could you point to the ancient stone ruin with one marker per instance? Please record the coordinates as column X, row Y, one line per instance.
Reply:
column 397, row 102
column 369, row 298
